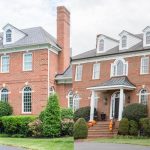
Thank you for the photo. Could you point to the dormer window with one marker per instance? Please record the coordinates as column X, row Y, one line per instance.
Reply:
column 101, row 45
column 124, row 41
column 8, row 35
column 148, row 38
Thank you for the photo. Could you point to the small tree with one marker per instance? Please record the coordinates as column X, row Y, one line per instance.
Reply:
column 80, row 129
column 52, row 118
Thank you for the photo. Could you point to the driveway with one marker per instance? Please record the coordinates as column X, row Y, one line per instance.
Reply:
column 10, row 148
column 105, row 146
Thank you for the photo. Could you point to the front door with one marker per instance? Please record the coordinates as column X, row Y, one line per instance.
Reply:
column 116, row 111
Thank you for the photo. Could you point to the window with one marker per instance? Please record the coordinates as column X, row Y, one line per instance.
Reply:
column 143, row 96
column 101, row 45
column 119, row 68
column 51, row 90
column 144, row 65
column 70, row 100
column 96, row 71
column 27, row 105
column 27, row 62
column 76, row 100
column 96, row 101
column 8, row 35
column 78, row 76
column 5, row 64
column 124, row 41
column 4, row 95
column 148, row 38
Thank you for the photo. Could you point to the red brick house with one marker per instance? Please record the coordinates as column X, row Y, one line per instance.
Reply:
column 34, row 64
column 114, row 74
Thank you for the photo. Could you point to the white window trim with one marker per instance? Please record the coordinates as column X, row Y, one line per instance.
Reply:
column 1, row 92
column 77, row 73
column 142, row 94
column 68, row 96
column 2, row 64
column 141, row 73
column 125, row 47
column 24, row 62
column 94, row 71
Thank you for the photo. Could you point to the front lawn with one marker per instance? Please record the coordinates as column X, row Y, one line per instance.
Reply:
column 39, row 144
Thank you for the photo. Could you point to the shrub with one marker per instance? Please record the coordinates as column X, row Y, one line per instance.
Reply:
column 67, row 127
column 35, row 128
column 66, row 113
column 1, row 126
column 41, row 116
column 5, row 109
column 145, row 126
column 133, row 127
column 17, row 124
column 52, row 119
column 84, row 112
column 135, row 112
column 124, row 126
column 80, row 129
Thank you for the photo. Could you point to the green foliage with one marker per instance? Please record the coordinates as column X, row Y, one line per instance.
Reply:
column 124, row 126
column 145, row 126
column 67, row 127
column 35, row 128
column 80, row 129
column 5, row 109
column 84, row 112
column 133, row 127
column 66, row 113
column 41, row 116
column 17, row 124
column 135, row 112
column 52, row 118
column 1, row 126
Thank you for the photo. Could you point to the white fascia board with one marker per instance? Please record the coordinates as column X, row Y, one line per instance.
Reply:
column 64, row 78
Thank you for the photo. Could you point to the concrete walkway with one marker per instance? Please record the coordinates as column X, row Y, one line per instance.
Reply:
column 105, row 146
column 10, row 148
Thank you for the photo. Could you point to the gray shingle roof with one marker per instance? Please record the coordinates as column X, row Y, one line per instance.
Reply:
column 34, row 36
column 116, row 81
column 92, row 53
column 66, row 74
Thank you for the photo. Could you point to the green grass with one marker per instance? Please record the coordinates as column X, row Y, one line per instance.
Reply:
column 39, row 144
column 125, row 140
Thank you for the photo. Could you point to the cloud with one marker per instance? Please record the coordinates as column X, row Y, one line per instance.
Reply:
column 88, row 17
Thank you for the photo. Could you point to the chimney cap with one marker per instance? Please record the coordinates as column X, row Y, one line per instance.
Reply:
column 63, row 8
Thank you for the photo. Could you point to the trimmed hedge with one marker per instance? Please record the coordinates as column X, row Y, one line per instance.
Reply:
column 133, row 127
column 145, row 126
column 17, row 124
column 84, row 112
column 66, row 113
column 135, row 112
column 5, row 109
column 80, row 129
column 124, row 127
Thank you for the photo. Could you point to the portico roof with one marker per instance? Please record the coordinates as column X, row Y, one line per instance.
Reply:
column 114, row 83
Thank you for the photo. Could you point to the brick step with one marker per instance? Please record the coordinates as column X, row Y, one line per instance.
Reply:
column 99, row 127
column 101, row 131
column 100, row 136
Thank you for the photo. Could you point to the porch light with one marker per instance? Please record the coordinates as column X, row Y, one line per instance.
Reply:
column 128, row 99
column 105, row 100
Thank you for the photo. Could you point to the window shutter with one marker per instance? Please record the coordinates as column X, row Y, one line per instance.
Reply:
column 113, row 70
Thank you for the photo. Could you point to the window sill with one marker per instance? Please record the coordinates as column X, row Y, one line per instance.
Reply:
column 26, row 113
column 78, row 80
column 96, row 79
column 144, row 73
column 5, row 72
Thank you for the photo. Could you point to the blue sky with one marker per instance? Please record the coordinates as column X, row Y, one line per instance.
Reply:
column 88, row 17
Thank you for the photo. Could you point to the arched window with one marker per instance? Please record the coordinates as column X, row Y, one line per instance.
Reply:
column 70, row 100
column 76, row 100
column 120, row 67
column 27, row 100
column 124, row 41
column 8, row 35
column 101, row 45
column 143, row 96
column 4, row 95
column 148, row 38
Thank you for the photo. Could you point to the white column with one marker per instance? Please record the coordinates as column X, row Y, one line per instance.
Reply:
column 121, row 104
column 92, row 106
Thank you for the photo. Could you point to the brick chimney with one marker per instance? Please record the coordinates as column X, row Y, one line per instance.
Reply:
column 63, row 37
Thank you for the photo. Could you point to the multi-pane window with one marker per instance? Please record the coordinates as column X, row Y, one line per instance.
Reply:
column 70, row 100
column 101, row 45
column 148, row 38
column 27, row 61
column 76, row 100
column 51, row 90
column 144, row 65
column 78, row 76
column 143, row 96
column 4, row 95
column 5, row 64
column 8, row 35
column 27, row 100
column 124, row 41
column 96, row 71
column 120, row 68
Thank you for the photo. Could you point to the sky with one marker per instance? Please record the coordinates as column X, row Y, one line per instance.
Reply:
column 88, row 18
